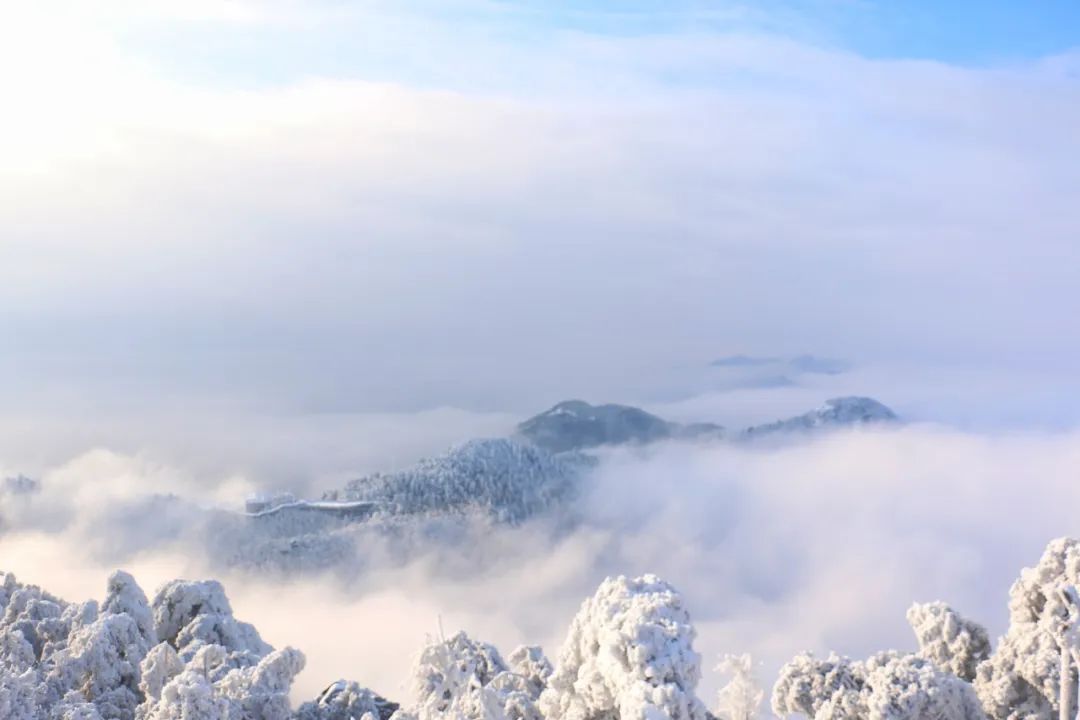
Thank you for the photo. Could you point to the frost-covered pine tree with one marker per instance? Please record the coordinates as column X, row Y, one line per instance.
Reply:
column 82, row 661
column 462, row 679
column 79, row 662
column 529, row 662
column 124, row 596
column 190, row 615
column 629, row 655
column 345, row 700
column 1022, row 679
column 210, row 665
column 18, row 700
column 947, row 639
column 887, row 686
column 741, row 697
column 101, row 664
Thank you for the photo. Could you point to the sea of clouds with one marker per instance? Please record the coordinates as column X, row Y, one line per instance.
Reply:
column 819, row 543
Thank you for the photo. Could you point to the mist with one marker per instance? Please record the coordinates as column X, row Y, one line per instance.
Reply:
column 766, row 543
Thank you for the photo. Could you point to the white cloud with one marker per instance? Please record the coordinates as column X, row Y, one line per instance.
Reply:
column 819, row 545
column 549, row 209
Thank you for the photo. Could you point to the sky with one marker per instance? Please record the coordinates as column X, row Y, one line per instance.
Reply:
column 354, row 207
column 273, row 245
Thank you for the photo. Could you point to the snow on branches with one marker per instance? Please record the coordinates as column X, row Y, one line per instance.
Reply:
column 887, row 686
column 629, row 655
column 741, row 697
column 1031, row 675
column 462, row 679
column 1022, row 679
column 948, row 640
column 82, row 661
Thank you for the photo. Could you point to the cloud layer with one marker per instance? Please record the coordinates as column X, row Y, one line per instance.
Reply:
column 819, row 545
column 576, row 213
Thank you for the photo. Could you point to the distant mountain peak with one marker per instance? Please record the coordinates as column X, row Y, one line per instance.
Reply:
column 856, row 407
column 577, row 425
column 836, row 412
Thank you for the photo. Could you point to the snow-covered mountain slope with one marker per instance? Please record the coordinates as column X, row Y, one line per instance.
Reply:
column 577, row 425
column 510, row 480
column 835, row 413
column 452, row 497
column 497, row 480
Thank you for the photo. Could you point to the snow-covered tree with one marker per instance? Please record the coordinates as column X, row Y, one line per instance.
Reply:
column 74, row 661
column 629, row 656
column 462, row 679
column 18, row 698
column 819, row 689
column 887, row 686
column 124, row 596
column 73, row 708
column 32, row 621
column 529, row 662
column 1022, row 679
column 189, row 615
column 908, row 687
column 947, row 639
column 81, row 663
column 346, row 700
column 101, row 664
column 210, row 665
column 741, row 697
column 189, row 694
column 262, row 691
column 159, row 667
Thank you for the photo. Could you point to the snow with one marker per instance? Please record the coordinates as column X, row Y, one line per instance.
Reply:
column 346, row 700
column 887, row 686
column 835, row 413
column 955, row 675
column 450, row 496
column 629, row 654
column 575, row 425
column 947, row 639
column 358, row 508
column 509, row 480
column 1022, row 678
column 463, row 679
column 74, row 660
column 125, row 597
column 741, row 697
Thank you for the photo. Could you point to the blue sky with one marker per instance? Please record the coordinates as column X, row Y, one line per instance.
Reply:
column 960, row 31
column 955, row 31
column 422, row 42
